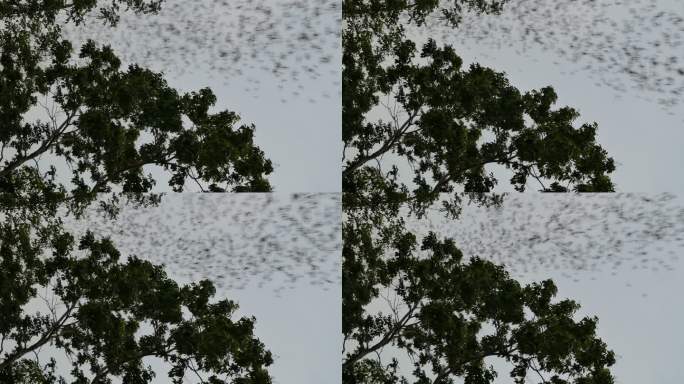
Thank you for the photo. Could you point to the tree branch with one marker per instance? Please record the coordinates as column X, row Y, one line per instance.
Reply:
column 361, row 352
column 44, row 147
column 42, row 341
column 386, row 146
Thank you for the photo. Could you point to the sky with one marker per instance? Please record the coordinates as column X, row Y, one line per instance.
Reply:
column 627, row 268
column 276, row 255
column 233, row 47
column 639, row 311
column 641, row 135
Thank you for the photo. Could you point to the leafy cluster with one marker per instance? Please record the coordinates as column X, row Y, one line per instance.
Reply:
column 48, row 11
column 106, row 123
column 450, row 316
column 107, row 316
column 446, row 122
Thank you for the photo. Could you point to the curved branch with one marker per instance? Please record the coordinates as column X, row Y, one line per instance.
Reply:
column 42, row 341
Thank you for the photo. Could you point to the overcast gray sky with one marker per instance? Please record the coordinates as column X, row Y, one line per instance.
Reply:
column 617, row 244
column 643, row 137
column 232, row 48
column 277, row 255
column 640, row 310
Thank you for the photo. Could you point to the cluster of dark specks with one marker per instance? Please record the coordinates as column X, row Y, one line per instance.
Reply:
column 630, row 46
column 235, row 240
column 287, row 42
column 575, row 235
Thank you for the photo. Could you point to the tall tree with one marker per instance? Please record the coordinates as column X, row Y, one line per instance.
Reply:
column 106, row 123
column 107, row 315
column 446, row 124
column 103, row 315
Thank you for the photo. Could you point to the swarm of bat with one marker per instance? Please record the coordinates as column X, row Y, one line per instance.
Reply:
column 575, row 235
column 288, row 42
column 235, row 240
column 630, row 46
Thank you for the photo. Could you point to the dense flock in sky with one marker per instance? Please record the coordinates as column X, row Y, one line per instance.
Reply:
column 285, row 41
column 573, row 234
column 235, row 240
column 630, row 46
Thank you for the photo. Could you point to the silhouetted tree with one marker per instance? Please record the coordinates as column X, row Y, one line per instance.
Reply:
column 107, row 123
column 107, row 315
column 447, row 123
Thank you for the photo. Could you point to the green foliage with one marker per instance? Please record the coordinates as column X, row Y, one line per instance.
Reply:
column 108, row 315
column 449, row 315
column 107, row 122
column 47, row 11
column 105, row 314
column 448, row 122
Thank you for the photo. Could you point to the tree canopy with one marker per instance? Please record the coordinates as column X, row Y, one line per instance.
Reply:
column 105, row 314
column 447, row 122
column 108, row 315
column 106, row 123
column 75, row 11
column 447, row 313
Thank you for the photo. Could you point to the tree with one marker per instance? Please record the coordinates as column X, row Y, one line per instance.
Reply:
column 447, row 124
column 46, row 12
column 449, row 316
column 107, row 315
column 106, row 123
